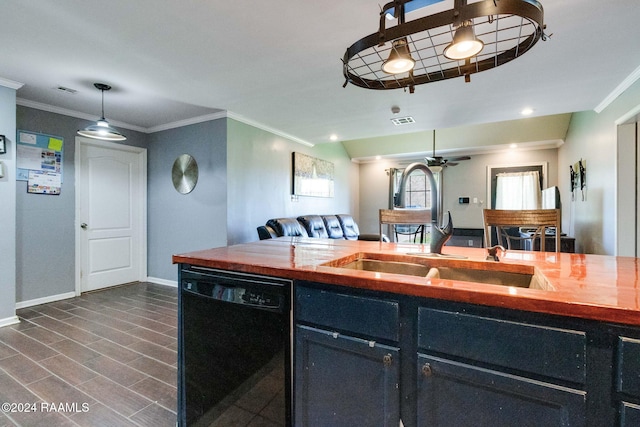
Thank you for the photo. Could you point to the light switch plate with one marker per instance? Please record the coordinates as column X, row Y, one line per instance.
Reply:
column 3, row 145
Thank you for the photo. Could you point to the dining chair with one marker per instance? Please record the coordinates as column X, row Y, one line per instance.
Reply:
column 415, row 217
column 536, row 221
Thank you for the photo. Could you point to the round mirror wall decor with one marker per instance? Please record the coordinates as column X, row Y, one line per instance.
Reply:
column 184, row 174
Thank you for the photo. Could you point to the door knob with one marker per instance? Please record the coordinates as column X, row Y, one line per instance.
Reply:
column 83, row 225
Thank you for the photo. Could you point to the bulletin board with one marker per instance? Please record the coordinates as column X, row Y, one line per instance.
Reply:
column 38, row 156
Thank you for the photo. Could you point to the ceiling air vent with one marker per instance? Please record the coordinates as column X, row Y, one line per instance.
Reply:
column 66, row 90
column 398, row 121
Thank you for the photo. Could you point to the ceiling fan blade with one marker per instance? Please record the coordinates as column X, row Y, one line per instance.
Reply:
column 458, row 159
column 451, row 164
column 435, row 161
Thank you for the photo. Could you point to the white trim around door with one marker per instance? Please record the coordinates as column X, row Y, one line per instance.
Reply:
column 141, row 251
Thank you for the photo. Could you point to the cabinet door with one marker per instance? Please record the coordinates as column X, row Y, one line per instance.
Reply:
column 629, row 414
column 457, row 394
column 344, row 381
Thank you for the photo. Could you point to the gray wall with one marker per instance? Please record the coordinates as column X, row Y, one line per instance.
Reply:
column 253, row 165
column 592, row 137
column 45, row 248
column 179, row 223
column 8, row 229
column 467, row 179
column 259, row 180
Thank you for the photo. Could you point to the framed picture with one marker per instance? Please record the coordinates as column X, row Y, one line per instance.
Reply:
column 311, row 176
column 3, row 145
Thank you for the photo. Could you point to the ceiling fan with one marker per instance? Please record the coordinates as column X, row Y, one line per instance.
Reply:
column 438, row 161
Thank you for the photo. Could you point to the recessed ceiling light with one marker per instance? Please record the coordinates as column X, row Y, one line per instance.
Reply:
column 513, row 145
column 378, row 157
column 333, row 137
column 526, row 111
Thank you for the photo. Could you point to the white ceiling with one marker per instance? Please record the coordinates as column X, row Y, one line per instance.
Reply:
column 278, row 63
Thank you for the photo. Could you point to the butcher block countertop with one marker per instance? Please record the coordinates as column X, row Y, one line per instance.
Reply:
column 596, row 287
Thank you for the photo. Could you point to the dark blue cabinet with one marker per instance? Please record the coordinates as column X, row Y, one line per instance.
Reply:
column 345, row 381
column 629, row 415
column 482, row 371
column 372, row 359
column 628, row 381
column 347, row 360
column 457, row 394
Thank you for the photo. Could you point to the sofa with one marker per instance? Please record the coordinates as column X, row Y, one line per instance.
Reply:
column 340, row 226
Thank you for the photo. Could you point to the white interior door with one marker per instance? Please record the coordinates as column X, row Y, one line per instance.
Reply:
column 111, row 214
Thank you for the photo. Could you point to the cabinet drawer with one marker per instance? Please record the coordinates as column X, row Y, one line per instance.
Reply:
column 370, row 317
column 629, row 415
column 629, row 366
column 551, row 352
column 456, row 394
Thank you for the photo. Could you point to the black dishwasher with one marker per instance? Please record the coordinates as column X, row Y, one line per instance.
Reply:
column 234, row 348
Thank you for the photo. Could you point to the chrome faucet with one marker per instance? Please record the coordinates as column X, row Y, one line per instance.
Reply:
column 439, row 236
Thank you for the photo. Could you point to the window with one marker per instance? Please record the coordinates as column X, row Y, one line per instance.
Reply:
column 417, row 191
column 518, row 190
column 418, row 196
column 494, row 171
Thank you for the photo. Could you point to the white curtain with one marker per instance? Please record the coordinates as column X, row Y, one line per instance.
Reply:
column 518, row 190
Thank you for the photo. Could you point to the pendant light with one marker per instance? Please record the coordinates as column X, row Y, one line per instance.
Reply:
column 464, row 44
column 400, row 60
column 102, row 130
column 474, row 36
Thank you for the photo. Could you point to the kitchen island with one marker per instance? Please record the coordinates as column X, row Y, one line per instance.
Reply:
column 373, row 347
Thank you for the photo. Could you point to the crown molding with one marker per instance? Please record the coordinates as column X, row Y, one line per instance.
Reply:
column 180, row 123
column 258, row 125
column 468, row 151
column 186, row 122
column 11, row 84
column 619, row 90
column 76, row 114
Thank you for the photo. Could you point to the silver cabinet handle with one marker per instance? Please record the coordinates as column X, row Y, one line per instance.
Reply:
column 387, row 359
column 427, row 371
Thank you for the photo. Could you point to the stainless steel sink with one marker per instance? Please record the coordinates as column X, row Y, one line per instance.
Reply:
column 493, row 277
column 394, row 267
column 456, row 269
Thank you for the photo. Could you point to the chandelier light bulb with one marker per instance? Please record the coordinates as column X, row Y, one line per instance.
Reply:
column 400, row 60
column 464, row 44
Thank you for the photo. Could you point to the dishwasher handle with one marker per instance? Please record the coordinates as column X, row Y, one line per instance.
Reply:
column 264, row 299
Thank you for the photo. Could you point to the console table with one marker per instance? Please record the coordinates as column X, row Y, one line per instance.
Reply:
column 567, row 244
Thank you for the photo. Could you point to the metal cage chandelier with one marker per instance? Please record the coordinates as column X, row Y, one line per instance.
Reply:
column 454, row 43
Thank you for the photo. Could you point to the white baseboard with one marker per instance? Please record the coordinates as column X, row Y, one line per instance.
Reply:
column 165, row 282
column 67, row 295
column 9, row 321
column 44, row 300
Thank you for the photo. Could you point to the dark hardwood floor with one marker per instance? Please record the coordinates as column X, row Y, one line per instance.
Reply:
column 106, row 358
